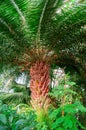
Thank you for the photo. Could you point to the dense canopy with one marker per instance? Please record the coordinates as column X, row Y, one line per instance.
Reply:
column 59, row 25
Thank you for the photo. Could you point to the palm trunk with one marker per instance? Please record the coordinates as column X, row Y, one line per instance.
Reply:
column 39, row 86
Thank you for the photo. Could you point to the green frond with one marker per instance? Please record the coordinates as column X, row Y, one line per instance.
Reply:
column 48, row 11
column 13, row 16
column 41, row 13
column 66, row 23
column 17, row 97
column 57, row 24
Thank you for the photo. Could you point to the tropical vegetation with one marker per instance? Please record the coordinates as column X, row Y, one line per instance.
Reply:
column 36, row 36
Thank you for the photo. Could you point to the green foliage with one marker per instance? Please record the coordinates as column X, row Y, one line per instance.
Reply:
column 64, row 92
column 8, row 117
column 10, row 91
column 26, row 121
column 42, row 126
column 11, row 120
column 65, row 116
column 68, row 111
column 3, row 118
column 19, row 95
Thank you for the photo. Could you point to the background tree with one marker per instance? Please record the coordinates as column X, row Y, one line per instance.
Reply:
column 14, row 88
column 35, row 32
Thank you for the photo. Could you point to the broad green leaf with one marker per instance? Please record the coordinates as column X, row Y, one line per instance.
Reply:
column 20, row 122
column 3, row 118
column 2, row 128
column 68, row 122
column 27, row 128
column 58, row 122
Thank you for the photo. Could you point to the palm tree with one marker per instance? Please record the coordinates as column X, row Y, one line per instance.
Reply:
column 35, row 33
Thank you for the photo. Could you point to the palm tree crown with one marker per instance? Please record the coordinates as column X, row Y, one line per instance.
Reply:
column 58, row 25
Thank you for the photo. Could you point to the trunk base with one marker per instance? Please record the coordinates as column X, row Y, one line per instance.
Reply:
column 39, row 86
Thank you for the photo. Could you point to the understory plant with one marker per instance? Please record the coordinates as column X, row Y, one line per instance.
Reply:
column 69, row 107
column 13, row 118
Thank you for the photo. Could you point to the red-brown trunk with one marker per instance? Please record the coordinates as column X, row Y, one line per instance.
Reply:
column 39, row 85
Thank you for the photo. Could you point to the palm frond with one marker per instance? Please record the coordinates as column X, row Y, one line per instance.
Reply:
column 66, row 24
column 47, row 14
column 13, row 20
column 16, row 94
column 59, row 25
column 17, row 97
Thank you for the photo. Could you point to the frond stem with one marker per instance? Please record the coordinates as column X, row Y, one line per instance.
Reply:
column 7, row 26
column 18, row 10
column 40, row 21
